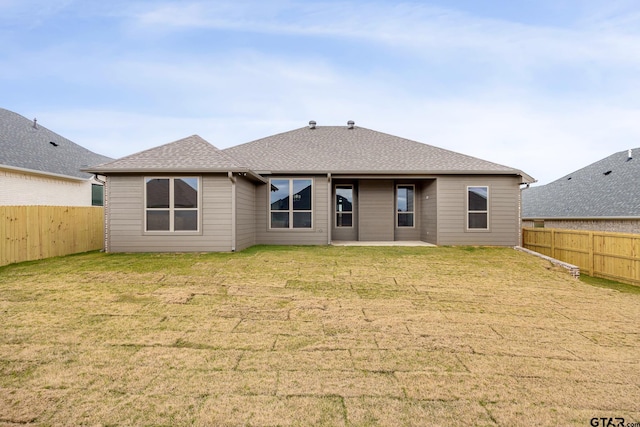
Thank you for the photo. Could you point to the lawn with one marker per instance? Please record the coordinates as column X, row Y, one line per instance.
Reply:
column 305, row 336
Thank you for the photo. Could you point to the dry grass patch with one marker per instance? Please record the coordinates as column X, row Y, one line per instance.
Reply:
column 376, row 411
column 272, row 411
column 341, row 383
column 300, row 336
column 337, row 360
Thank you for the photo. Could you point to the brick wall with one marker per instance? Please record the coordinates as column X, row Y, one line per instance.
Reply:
column 614, row 226
column 21, row 189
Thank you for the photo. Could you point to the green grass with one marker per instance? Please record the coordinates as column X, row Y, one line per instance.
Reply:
column 610, row 284
column 335, row 336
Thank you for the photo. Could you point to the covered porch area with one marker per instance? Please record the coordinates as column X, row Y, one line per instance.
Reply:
column 376, row 211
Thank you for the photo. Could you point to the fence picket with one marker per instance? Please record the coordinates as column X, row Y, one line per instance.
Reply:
column 36, row 232
column 608, row 255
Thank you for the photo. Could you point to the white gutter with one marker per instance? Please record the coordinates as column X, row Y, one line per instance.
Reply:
column 42, row 173
column 233, row 210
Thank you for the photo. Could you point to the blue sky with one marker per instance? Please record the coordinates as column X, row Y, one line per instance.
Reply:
column 546, row 86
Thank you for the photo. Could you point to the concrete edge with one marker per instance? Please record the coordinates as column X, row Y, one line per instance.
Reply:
column 574, row 270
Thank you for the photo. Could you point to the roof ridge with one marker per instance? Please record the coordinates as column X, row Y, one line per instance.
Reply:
column 30, row 145
column 591, row 165
column 189, row 153
column 343, row 149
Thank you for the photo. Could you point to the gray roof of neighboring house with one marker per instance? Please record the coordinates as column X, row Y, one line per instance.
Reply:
column 188, row 155
column 338, row 149
column 607, row 188
column 24, row 146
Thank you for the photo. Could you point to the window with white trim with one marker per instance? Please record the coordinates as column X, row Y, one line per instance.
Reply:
column 97, row 195
column 291, row 203
column 171, row 204
column 478, row 208
column 405, row 205
column 344, row 205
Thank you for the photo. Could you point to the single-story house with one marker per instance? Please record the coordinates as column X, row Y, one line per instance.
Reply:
column 40, row 167
column 604, row 196
column 311, row 186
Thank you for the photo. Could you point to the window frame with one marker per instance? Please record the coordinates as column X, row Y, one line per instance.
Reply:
column 94, row 187
column 412, row 212
column 336, row 211
column 172, row 208
column 478, row 211
column 291, row 211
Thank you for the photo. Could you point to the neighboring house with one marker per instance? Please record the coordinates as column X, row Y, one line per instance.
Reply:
column 40, row 167
column 310, row 186
column 604, row 196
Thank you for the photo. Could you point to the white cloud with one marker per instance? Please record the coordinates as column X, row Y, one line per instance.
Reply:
column 534, row 138
column 544, row 99
column 410, row 27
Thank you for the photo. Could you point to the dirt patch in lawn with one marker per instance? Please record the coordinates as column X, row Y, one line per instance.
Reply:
column 350, row 336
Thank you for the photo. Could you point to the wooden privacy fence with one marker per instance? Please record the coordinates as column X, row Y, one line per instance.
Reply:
column 36, row 232
column 614, row 256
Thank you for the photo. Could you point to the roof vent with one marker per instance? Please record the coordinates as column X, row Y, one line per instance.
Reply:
column 351, row 124
column 312, row 124
column 607, row 173
column 53, row 143
column 629, row 155
column 35, row 123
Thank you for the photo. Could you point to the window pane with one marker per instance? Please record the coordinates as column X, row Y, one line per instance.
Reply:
column 302, row 220
column 478, row 198
column 402, row 199
column 158, row 220
column 405, row 220
column 185, row 192
column 405, row 198
column 158, row 193
column 301, row 195
column 185, row 221
column 97, row 195
column 280, row 194
column 478, row 220
column 344, row 219
column 279, row 219
column 344, row 199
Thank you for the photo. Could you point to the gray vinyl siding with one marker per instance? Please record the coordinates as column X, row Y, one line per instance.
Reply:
column 429, row 212
column 376, row 213
column 245, row 214
column 126, row 218
column 317, row 235
column 503, row 211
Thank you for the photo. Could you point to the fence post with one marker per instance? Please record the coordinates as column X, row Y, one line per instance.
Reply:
column 553, row 243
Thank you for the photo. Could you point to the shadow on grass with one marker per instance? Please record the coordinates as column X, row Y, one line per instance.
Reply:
column 610, row 284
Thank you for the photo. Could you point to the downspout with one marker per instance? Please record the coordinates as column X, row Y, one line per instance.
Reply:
column 520, row 242
column 329, row 210
column 105, row 223
column 233, row 210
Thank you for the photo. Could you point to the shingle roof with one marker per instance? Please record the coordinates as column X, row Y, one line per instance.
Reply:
column 37, row 148
column 607, row 188
column 338, row 149
column 190, row 154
